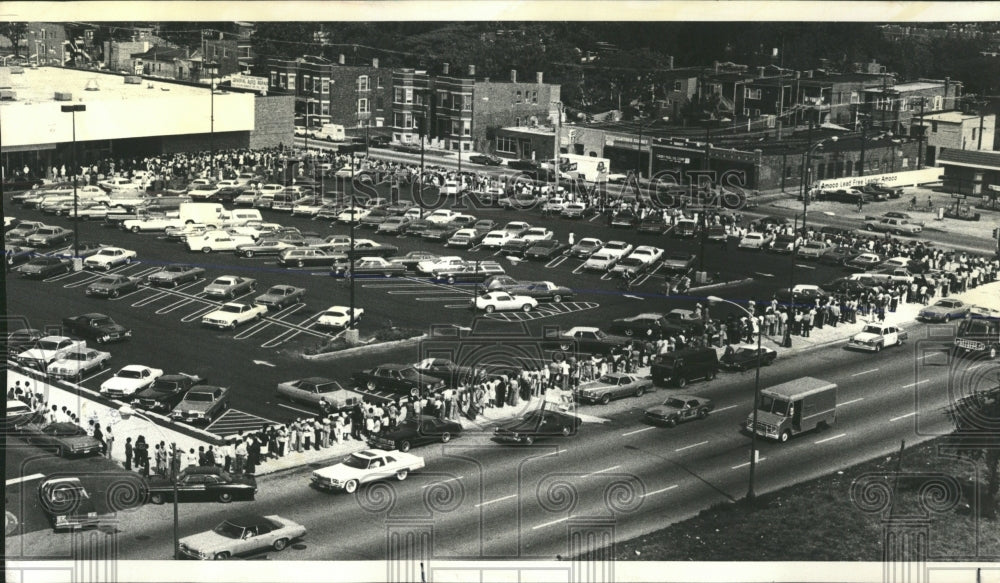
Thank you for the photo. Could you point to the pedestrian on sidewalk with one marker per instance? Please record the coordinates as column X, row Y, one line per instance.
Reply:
column 128, row 453
column 109, row 442
column 241, row 457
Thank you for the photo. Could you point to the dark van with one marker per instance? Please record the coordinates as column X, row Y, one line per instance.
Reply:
column 677, row 368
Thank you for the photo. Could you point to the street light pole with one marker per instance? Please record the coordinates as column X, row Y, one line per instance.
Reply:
column 751, row 491
column 213, row 69
column 350, row 257
column 72, row 109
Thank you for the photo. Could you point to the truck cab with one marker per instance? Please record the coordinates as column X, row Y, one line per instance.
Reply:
column 794, row 407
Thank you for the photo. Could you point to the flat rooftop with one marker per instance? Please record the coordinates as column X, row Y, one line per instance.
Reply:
column 537, row 130
column 39, row 86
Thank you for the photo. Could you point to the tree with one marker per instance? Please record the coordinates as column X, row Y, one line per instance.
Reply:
column 15, row 32
column 977, row 420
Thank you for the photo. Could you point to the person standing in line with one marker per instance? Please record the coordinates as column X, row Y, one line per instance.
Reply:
column 128, row 453
column 109, row 442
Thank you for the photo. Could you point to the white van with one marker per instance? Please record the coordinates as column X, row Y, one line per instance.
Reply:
column 205, row 213
column 241, row 217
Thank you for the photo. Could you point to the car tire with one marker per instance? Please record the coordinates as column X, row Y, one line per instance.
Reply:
column 301, row 263
column 640, row 391
column 785, row 435
column 232, row 326
column 451, row 279
column 206, row 249
column 225, row 497
column 280, row 544
column 947, row 317
column 526, row 307
column 115, row 293
column 557, row 299
column 681, row 382
column 629, row 332
column 566, row 431
column 605, row 399
column 529, row 440
column 490, row 309
column 157, row 499
column 710, row 376
column 351, row 486
column 223, row 556
column 445, row 437
column 248, row 253
column 403, row 446
column 401, row 474
column 135, row 229
column 878, row 348
column 702, row 413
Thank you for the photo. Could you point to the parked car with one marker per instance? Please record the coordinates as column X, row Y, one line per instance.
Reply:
column 758, row 241
column 944, row 310
column 20, row 340
column 653, row 224
column 413, row 258
column 242, row 535
column 547, row 250
column 232, row 314
column 49, row 237
column 393, row 225
column 747, row 357
column 16, row 255
column 316, row 390
column 486, row 159
column 47, row 349
column 542, row 291
column 624, row 218
column 812, row 249
column 617, row 249
column 679, row 261
column 201, row 404
column 496, row 239
column 165, row 392
column 306, row 257
column 97, row 327
column 649, row 325
column 109, row 258
column 476, row 272
column 65, row 439
column 417, row 431
column 585, row 247
column 377, row 266
column 230, row 286
column 577, row 210
column 864, row 261
column 113, row 285
column 339, row 317
column 77, row 363
column 397, row 378
column 202, row 484
column 536, row 425
column 679, row 408
column 129, row 380
column 365, row 466
column 466, row 238
column 611, row 386
column 278, row 297
column 174, row 275
column 44, row 266
column 493, row 301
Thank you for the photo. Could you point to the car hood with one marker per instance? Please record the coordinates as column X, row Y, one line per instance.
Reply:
column 194, row 405
column 208, row 542
column 102, row 285
column 662, row 411
column 31, row 268
column 519, row 426
column 934, row 310
column 121, row 384
column 39, row 353
column 340, row 472
column 111, row 329
column 218, row 288
column 594, row 386
column 98, row 259
column 865, row 336
column 164, row 276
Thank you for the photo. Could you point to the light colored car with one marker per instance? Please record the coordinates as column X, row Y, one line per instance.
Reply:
column 894, row 226
column 501, row 301
column 612, row 386
column 338, row 316
column 944, row 310
column 554, row 205
column 877, row 336
column 365, row 466
column 176, row 274
column 601, row 261
column 464, row 238
column 517, row 228
column 129, row 380
column 242, row 535
column 49, row 349
column 217, row 241
column 755, row 241
column 812, row 249
column 232, row 314
column 76, row 363
column 617, row 249
column 536, row 234
column 496, row 239
column 430, row 265
column 109, row 258
column 152, row 223
column 49, row 237
column 352, row 215
column 230, row 286
column 647, row 254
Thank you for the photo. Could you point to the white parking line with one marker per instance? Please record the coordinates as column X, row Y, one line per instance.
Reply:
column 803, row 266
column 296, row 409
column 690, row 446
column 602, row 471
column 911, row 414
column 857, row 374
column 481, row 504
column 745, row 464
column 442, row 482
column 637, row 431
column 831, row 438
column 557, row 452
column 658, row 491
column 556, row 262
column 916, row 383
column 852, row 401
column 726, row 407
column 543, row 525
column 13, row 481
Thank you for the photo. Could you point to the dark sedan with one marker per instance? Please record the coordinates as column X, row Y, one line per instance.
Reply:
column 203, row 484
column 414, row 432
column 439, row 232
column 112, row 286
column 747, row 357
column 20, row 340
column 174, row 275
column 485, row 160
column 17, row 255
column 42, row 267
column 398, row 378
column 65, row 439
column 546, row 249
column 516, row 247
column 537, row 424
column 838, row 255
column 543, row 291
column 411, row 259
column 417, row 228
column 649, row 325
column 653, row 224
column 626, row 219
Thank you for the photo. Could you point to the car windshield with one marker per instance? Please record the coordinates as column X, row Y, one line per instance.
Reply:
column 355, row 461
column 106, row 252
column 107, row 280
column 608, row 380
column 745, row 352
column 200, row 397
column 231, row 309
column 76, row 356
column 48, row 344
column 772, row 405
column 600, row 257
column 674, row 403
column 223, row 282
column 946, row 304
column 229, row 530
column 129, row 374
column 335, row 314
column 870, row 329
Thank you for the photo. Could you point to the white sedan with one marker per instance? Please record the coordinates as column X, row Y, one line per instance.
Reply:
column 501, row 301
column 337, row 316
column 109, row 257
column 875, row 337
column 647, row 254
column 352, row 215
column 536, row 234
column 755, row 241
column 496, row 239
column 78, row 362
column 130, row 380
column 617, row 249
column 369, row 465
column 601, row 261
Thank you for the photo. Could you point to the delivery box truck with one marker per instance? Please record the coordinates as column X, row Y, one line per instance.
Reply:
column 794, row 407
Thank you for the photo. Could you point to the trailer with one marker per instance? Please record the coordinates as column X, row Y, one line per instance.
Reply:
column 794, row 407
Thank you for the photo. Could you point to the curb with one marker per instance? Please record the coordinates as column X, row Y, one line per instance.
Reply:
column 365, row 347
column 340, row 454
column 722, row 284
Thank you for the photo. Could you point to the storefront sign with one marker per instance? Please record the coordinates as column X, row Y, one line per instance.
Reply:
column 912, row 178
column 626, row 142
column 250, row 82
column 674, row 159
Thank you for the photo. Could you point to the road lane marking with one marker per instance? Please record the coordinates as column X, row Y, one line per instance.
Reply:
column 13, row 481
column 557, row 452
column 658, row 491
column 911, row 414
column 852, row 401
column 543, row 525
column 916, row 383
column 602, row 471
column 803, row 266
column 745, row 464
column 481, row 504
column 831, row 438
column 637, row 431
column 442, row 482
column 296, row 409
column 764, row 274
column 726, row 407
column 857, row 374
column 690, row 446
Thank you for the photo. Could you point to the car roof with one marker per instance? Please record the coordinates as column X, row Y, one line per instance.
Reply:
column 250, row 521
column 205, row 389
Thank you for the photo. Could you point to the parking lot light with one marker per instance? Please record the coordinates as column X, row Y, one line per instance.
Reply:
column 72, row 109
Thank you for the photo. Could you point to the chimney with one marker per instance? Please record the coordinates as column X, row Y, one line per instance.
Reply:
column 715, row 64
column 513, row 75
column 472, row 70
column 539, row 76
column 809, row 73
column 340, row 59
column 375, row 63
column 444, row 68
column 760, row 72
column 670, row 62
column 947, row 85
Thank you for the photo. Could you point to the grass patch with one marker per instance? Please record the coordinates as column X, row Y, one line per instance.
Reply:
column 819, row 521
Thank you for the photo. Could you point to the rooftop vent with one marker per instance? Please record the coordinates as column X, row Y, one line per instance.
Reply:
column 133, row 80
column 92, row 85
column 7, row 95
column 63, row 96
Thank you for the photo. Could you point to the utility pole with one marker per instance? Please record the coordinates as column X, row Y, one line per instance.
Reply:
column 704, row 211
column 864, row 137
column 920, row 139
column 982, row 114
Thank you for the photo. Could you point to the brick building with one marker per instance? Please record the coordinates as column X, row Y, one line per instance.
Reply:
column 232, row 51
column 895, row 107
column 45, row 43
column 163, row 62
column 834, row 98
column 326, row 92
column 958, row 131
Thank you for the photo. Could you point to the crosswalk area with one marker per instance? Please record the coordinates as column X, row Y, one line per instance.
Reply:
column 232, row 421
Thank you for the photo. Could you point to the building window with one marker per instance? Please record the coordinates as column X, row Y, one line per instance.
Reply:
column 291, row 82
column 325, row 85
column 274, row 78
column 378, row 81
column 517, row 98
column 855, row 97
column 403, row 95
column 316, row 85
column 466, row 103
column 534, row 97
column 974, row 133
column 403, row 120
column 306, row 83
column 245, row 52
column 363, row 106
column 466, row 146
column 284, row 81
column 678, row 86
column 379, row 102
column 746, row 112
column 225, row 53
column 506, row 145
column 363, row 83
column 325, row 108
column 751, row 93
column 517, row 122
column 933, row 127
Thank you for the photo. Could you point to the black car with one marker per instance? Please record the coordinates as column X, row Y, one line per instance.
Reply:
column 417, row 227
column 42, row 267
column 379, row 141
column 838, row 255
column 653, row 224
column 783, row 244
column 398, row 378
column 486, row 160
column 547, row 249
column 650, row 325
column 625, row 218
column 411, row 259
column 97, row 327
column 20, row 340
column 419, row 431
column 526, row 165
column 451, row 373
column 439, row 232
column 165, row 392
column 203, row 484
column 516, row 247
column 17, row 255
column 537, row 424
column 747, row 357
column 846, row 285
